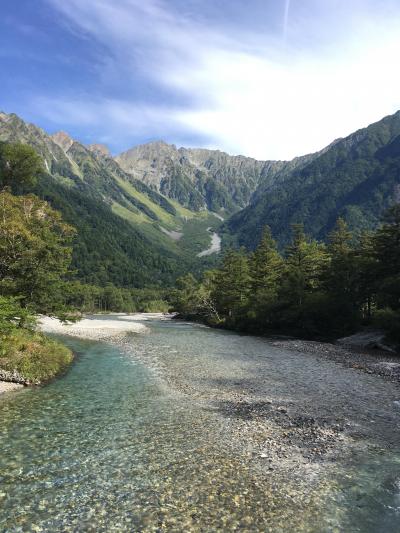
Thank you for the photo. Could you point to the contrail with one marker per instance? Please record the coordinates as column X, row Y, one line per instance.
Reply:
column 286, row 19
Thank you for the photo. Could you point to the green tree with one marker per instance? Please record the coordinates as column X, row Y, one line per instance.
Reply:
column 184, row 298
column 301, row 287
column 305, row 261
column 266, row 264
column 20, row 166
column 232, row 286
column 386, row 251
column 35, row 252
column 266, row 268
column 13, row 316
column 341, row 282
column 368, row 277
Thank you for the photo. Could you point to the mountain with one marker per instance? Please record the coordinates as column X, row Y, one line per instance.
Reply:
column 356, row 178
column 127, row 233
column 144, row 216
column 199, row 178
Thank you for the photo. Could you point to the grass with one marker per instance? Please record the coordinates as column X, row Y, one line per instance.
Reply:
column 185, row 213
column 123, row 212
column 147, row 227
column 34, row 356
column 164, row 217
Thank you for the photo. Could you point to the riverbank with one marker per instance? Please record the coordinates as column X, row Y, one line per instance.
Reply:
column 7, row 386
column 371, row 361
column 30, row 358
column 95, row 328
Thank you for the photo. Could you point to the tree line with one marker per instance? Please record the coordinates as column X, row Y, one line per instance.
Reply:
column 313, row 289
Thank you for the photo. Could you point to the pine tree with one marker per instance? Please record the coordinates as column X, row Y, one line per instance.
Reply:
column 341, row 281
column 266, row 268
column 266, row 264
column 340, row 273
column 232, row 285
column 386, row 251
column 305, row 261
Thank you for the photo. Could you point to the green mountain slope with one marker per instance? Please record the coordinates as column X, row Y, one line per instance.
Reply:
column 355, row 178
column 126, row 231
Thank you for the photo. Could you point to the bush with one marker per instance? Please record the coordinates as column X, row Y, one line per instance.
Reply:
column 12, row 316
column 155, row 306
column 33, row 356
column 389, row 321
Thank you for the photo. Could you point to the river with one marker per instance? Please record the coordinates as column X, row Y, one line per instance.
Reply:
column 153, row 432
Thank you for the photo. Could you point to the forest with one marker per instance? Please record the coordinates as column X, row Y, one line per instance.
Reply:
column 312, row 290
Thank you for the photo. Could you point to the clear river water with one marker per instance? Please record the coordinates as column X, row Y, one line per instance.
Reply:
column 111, row 446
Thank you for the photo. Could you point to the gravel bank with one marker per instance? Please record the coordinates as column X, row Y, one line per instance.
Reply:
column 95, row 328
column 375, row 362
column 6, row 386
column 288, row 414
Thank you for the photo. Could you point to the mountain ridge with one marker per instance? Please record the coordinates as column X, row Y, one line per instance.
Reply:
column 354, row 178
column 200, row 178
column 157, row 187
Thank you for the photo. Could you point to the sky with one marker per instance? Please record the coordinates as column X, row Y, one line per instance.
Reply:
column 270, row 79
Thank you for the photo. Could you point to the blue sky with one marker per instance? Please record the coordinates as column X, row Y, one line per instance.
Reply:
column 270, row 79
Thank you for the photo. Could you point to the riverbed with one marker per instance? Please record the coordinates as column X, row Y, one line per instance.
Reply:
column 215, row 246
column 178, row 427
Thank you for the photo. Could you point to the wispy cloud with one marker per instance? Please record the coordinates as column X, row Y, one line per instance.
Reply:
column 286, row 20
column 261, row 94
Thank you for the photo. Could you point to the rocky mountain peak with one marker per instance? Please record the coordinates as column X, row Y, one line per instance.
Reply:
column 150, row 150
column 99, row 149
column 63, row 140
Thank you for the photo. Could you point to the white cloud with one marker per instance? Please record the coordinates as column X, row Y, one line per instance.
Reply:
column 250, row 94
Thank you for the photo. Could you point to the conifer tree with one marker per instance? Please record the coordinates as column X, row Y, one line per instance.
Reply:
column 266, row 268
column 305, row 261
column 232, row 285
column 340, row 273
column 266, row 264
column 386, row 251
column 341, row 280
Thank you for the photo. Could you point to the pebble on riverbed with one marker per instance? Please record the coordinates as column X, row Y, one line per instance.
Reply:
column 372, row 362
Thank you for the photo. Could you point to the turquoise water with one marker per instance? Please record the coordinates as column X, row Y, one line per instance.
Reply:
column 109, row 447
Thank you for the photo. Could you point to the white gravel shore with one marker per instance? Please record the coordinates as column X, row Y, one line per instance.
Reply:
column 94, row 328
column 6, row 386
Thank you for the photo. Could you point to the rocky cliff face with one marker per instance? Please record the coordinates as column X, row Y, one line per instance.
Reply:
column 356, row 178
column 200, row 178
column 99, row 149
column 63, row 140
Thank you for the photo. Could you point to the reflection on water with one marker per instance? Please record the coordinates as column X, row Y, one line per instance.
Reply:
column 107, row 448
